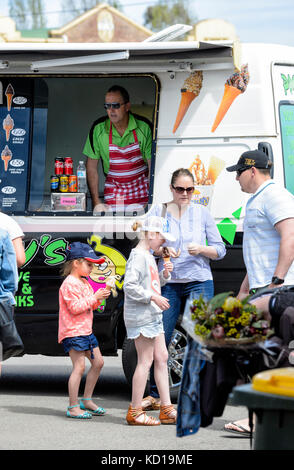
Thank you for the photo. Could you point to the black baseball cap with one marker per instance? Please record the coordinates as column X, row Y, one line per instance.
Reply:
column 255, row 158
column 78, row 250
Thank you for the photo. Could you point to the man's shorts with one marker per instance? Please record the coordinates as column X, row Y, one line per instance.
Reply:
column 80, row 343
column 281, row 299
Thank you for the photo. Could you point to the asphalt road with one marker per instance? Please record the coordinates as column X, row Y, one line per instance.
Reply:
column 33, row 402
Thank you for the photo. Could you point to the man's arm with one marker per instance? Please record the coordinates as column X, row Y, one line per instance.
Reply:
column 285, row 228
column 149, row 168
column 244, row 289
column 92, row 179
column 19, row 251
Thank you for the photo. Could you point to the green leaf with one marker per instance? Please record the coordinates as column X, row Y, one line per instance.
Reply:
column 218, row 300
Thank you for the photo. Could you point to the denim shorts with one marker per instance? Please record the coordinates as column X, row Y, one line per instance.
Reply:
column 80, row 343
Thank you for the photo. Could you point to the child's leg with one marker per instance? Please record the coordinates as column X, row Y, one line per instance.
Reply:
column 92, row 376
column 168, row 414
column 145, row 348
column 160, row 369
column 78, row 362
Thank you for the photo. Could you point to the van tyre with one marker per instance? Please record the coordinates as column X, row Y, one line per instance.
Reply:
column 175, row 361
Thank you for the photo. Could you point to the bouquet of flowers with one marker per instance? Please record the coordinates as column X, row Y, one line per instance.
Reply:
column 227, row 321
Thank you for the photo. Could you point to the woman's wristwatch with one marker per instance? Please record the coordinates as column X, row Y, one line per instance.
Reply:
column 277, row 280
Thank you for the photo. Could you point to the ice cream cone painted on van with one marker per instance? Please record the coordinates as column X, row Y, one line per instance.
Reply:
column 8, row 124
column 230, row 94
column 234, row 86
column 6, row 156
column 9, row 93
column 190, row 91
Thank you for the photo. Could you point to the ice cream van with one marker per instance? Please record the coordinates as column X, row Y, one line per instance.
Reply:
column 207, row 103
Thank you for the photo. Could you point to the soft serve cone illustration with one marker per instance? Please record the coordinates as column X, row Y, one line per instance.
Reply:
column 191, row 89
column 234, row 86
column 6, row 156
column 8, row 124
column 9, row 93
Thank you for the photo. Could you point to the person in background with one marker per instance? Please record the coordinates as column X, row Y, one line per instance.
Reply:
column 8, row 280
column 197, row 241
column 123, row 141
column 143, row 308
column 268, row 239
column 16, row 235
column 76, row 303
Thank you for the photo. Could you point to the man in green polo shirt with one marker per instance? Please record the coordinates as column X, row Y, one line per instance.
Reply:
column 123, row 141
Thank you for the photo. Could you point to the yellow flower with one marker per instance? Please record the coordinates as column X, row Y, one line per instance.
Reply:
column 245, row 319
column 232, row 321
column 230, row 303
column 232, row 332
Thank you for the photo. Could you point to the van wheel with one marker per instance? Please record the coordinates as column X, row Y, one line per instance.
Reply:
column 176, row 354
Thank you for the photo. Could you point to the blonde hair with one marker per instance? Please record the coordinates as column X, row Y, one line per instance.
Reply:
column 66, row 268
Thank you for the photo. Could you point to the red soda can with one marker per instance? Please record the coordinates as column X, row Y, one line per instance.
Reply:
column 68, row 166
column 72, row 184
column 59, row 166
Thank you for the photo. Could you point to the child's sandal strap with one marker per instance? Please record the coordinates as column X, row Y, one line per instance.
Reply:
column 168, row 414
column 135, row 413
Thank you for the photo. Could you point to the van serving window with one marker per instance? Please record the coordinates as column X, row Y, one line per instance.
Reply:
column 46, row 121
column 286, row 109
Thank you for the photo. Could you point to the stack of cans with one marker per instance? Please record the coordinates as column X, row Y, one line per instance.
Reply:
column 63, row 180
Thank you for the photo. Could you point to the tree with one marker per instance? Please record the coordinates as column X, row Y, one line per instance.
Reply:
column 162, row 15
column 73, row 8
column 27, row 14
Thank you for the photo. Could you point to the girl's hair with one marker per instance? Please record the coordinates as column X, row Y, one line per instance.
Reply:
column 66, row 268
column 181, row 172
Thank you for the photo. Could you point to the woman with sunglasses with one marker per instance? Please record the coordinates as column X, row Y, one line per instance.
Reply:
column 197, row 242
column 123, row 141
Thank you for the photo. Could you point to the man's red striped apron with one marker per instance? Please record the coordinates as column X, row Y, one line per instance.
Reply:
column 127, row 180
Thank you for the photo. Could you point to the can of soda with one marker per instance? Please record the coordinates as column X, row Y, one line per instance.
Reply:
column 63, row 184
column 54, row 183
column 59, row 166
column 68, row 166
column 72, row 184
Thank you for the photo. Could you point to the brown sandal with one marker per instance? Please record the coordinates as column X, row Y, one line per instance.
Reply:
column 168, row 414
column 150, row 403
column 134, row 413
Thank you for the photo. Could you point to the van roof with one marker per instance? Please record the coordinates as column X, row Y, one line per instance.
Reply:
column 147, row 55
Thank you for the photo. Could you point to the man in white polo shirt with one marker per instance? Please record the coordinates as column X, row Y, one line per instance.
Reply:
column 268, row 242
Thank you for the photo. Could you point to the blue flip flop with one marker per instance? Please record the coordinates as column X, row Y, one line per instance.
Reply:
column 85, row 415
column 98, row 412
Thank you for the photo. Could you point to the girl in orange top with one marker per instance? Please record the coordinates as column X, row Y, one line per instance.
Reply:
column 76, row 303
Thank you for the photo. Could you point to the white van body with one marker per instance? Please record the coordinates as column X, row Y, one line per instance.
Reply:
column 67, row 83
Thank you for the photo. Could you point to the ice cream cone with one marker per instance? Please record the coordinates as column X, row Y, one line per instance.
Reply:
column 9, row 93
column 166, row 259
column 8, row 124
column 216, row 165
column 230, row 94
column 6, row 156
column 186, row 99
column 6, row 159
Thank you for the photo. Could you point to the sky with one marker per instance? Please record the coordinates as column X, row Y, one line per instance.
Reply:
column 269, row 21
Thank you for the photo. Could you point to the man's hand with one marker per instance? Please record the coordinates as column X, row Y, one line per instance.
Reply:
column 100, row 207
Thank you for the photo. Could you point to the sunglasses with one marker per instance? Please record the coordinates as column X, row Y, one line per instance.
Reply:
column 113, row 105
column 180, row 190
column 239, row 172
